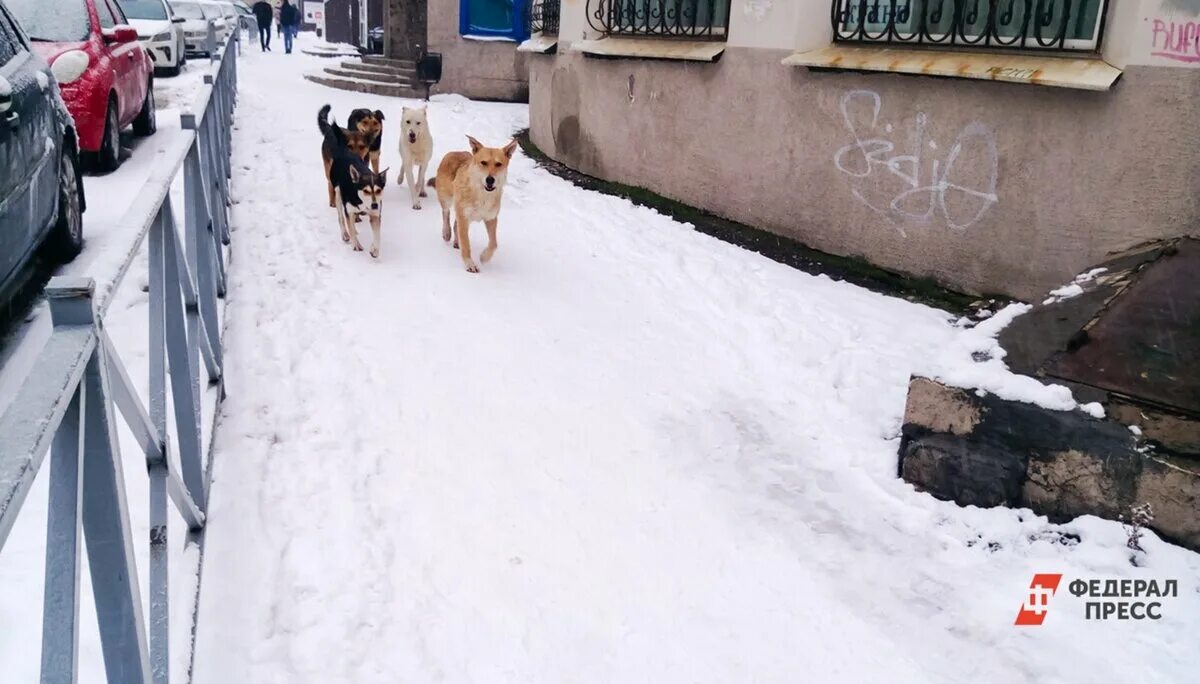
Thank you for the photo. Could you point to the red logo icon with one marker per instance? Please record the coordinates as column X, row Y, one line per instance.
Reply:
column 1033, row 611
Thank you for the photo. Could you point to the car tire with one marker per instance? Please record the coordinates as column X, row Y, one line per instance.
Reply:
column 109, row 156
column 65, row 241
column 146, row 122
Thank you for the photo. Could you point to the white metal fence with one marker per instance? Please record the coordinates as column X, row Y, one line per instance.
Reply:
column 65, row 405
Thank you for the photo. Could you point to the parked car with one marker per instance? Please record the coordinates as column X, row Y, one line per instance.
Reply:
column 41, row 192
column 105, row 76
column 196, row 16
column 160, row 31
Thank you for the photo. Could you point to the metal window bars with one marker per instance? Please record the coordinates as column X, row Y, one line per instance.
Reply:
column 691, row 19
column 1073, row 25
column 65, row 405
column 541, row 16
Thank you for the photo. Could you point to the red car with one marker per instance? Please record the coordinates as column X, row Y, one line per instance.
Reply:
column 106, row 78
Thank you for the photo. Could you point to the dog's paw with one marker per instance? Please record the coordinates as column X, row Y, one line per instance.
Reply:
column 417, row 206
column 471, row 267
column 345, row 237
column 375, row 252
column 358, row 247
column 446, row 235
column 424, row 194
column 455, row 244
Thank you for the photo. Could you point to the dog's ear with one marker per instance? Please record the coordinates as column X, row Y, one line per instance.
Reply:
column 510, row 148
column 379, row 115
column 383, row 177
column 475, row 145
column 354, row 176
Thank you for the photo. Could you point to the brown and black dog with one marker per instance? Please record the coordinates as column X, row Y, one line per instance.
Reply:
column 370, row 124
column 357, row 142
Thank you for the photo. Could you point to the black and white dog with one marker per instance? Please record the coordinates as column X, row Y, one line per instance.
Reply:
column 357, row 189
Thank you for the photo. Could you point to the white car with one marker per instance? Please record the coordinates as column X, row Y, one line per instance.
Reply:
column 196, row 16
column 160, row 32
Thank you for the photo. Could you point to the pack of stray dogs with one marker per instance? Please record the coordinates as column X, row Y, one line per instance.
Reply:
column 470, row 184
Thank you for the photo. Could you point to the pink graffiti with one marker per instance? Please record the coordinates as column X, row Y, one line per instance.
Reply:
column 1180, row 42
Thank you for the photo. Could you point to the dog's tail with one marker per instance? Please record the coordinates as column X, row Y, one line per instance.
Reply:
column 323, row 119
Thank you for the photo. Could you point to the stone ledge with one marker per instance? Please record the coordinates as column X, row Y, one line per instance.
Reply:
column 986, row 451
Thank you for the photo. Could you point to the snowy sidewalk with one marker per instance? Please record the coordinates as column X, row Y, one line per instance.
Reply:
column 624, row 452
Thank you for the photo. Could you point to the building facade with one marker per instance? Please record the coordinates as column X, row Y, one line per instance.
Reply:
column 996, row 147
column 477, row 40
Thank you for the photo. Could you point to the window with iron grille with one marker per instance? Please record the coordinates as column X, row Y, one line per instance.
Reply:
column 694, row 19
column 543, row 17
column 1019, row 24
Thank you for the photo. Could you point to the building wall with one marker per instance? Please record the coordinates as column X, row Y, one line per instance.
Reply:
column 986, row 186
column 486, row 70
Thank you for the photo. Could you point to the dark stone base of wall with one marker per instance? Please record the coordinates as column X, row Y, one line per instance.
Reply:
column 986, row 451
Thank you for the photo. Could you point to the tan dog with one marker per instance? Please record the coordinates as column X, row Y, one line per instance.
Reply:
column 472, row 183
column 416, row 149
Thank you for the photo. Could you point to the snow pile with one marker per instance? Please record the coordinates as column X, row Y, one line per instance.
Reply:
column 975, row 360
column 624, row 452
column 1074, row 288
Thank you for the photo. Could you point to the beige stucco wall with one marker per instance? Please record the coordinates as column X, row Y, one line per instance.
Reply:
column 485, row 70
column 988, row 187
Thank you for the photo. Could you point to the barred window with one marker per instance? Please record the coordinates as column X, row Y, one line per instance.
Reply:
column 543, row 16
column 695, row 19
column 1019, row 24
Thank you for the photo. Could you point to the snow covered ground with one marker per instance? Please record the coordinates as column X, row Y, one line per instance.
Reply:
column 624, row 452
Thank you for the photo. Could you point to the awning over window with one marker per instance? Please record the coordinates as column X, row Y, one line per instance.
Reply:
column 1061, row 72
column 649, row 48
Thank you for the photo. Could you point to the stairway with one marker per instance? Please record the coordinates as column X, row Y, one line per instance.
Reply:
column 374, row 75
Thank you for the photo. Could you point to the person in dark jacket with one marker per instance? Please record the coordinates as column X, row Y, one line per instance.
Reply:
column 263, row 13
column 289, row 19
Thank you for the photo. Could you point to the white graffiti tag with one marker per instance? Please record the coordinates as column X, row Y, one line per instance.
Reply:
column 917, row 186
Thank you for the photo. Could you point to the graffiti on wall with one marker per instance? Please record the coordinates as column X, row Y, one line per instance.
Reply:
column 1177, row 40
column 907, row 177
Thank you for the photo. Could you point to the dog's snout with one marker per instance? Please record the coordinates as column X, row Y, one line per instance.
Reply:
column 490, row 180
column 374, row 205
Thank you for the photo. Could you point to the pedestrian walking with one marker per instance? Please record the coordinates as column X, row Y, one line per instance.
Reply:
column 289, row 18
column 263, row 13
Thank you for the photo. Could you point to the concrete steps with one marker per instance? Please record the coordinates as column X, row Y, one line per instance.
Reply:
column 376, row 60
column 368, row 68
column 358, row 85
column 373, row 77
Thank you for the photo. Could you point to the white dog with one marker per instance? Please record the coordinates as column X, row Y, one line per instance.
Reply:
column 416, row 149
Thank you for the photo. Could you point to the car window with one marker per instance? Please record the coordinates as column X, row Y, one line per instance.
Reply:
column 107, row 18
column 117, row 10
column 10, row 45
column 145, row 9
column 188, row 10
column 65, row 21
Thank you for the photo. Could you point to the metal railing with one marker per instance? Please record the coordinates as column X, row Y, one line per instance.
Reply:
column 542, row 17
column 1013, row 24
column 65, row 405
column 692, row 19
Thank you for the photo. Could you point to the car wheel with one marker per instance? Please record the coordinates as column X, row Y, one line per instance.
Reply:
column 66, row 239
column 146, row 122
column 109, row 156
